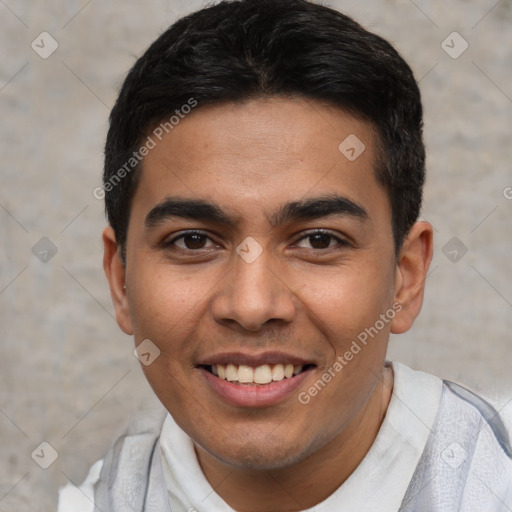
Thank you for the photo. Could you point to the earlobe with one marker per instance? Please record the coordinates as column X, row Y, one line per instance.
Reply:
column 412, row 268
column 115, row 273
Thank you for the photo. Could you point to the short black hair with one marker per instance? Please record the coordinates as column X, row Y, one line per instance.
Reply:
column 246, row 49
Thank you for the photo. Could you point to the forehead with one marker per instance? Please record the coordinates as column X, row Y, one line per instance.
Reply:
column 252, row 157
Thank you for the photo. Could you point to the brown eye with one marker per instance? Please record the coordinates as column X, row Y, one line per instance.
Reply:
column 192, row 241
column 322, row 240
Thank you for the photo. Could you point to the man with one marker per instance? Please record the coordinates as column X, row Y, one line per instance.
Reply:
column 263, row 178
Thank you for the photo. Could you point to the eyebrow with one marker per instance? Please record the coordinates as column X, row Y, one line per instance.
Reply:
column 307, row 209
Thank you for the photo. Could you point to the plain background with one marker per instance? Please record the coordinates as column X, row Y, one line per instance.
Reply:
column 68, row 375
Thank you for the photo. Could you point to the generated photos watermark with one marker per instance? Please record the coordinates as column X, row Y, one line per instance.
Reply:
column 150, row 143
column 343, row 360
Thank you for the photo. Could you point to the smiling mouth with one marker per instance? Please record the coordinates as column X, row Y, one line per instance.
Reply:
column 260, row 375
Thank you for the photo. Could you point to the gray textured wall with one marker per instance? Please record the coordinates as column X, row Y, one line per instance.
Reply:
column 68, row 376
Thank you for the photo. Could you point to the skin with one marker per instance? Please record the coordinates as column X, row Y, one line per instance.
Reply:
column 305, row 296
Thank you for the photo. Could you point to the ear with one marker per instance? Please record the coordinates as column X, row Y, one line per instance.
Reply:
column 115, row 272
column 411, row 273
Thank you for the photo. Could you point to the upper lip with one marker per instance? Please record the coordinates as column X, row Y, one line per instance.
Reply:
column 254, row 360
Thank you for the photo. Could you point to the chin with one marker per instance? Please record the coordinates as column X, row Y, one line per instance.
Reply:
column 259, row 455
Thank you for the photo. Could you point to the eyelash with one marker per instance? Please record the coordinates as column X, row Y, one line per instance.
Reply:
column 341, row 242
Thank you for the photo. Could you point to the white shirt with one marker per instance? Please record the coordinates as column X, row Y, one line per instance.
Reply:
column 378, row 483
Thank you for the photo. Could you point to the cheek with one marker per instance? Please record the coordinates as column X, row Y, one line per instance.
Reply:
column 346, row 310
column 163, row 300
column 347, row 301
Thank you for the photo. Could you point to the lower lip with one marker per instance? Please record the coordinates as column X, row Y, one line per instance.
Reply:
column 246, row 395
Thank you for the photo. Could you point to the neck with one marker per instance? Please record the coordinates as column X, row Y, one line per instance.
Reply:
column 313, row 479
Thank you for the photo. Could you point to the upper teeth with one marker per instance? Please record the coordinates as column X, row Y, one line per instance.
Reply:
column 260, row 375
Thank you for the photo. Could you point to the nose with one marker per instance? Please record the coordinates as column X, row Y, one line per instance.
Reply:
column 253, row 293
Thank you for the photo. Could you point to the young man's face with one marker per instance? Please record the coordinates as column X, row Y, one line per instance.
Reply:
column 262, row 289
